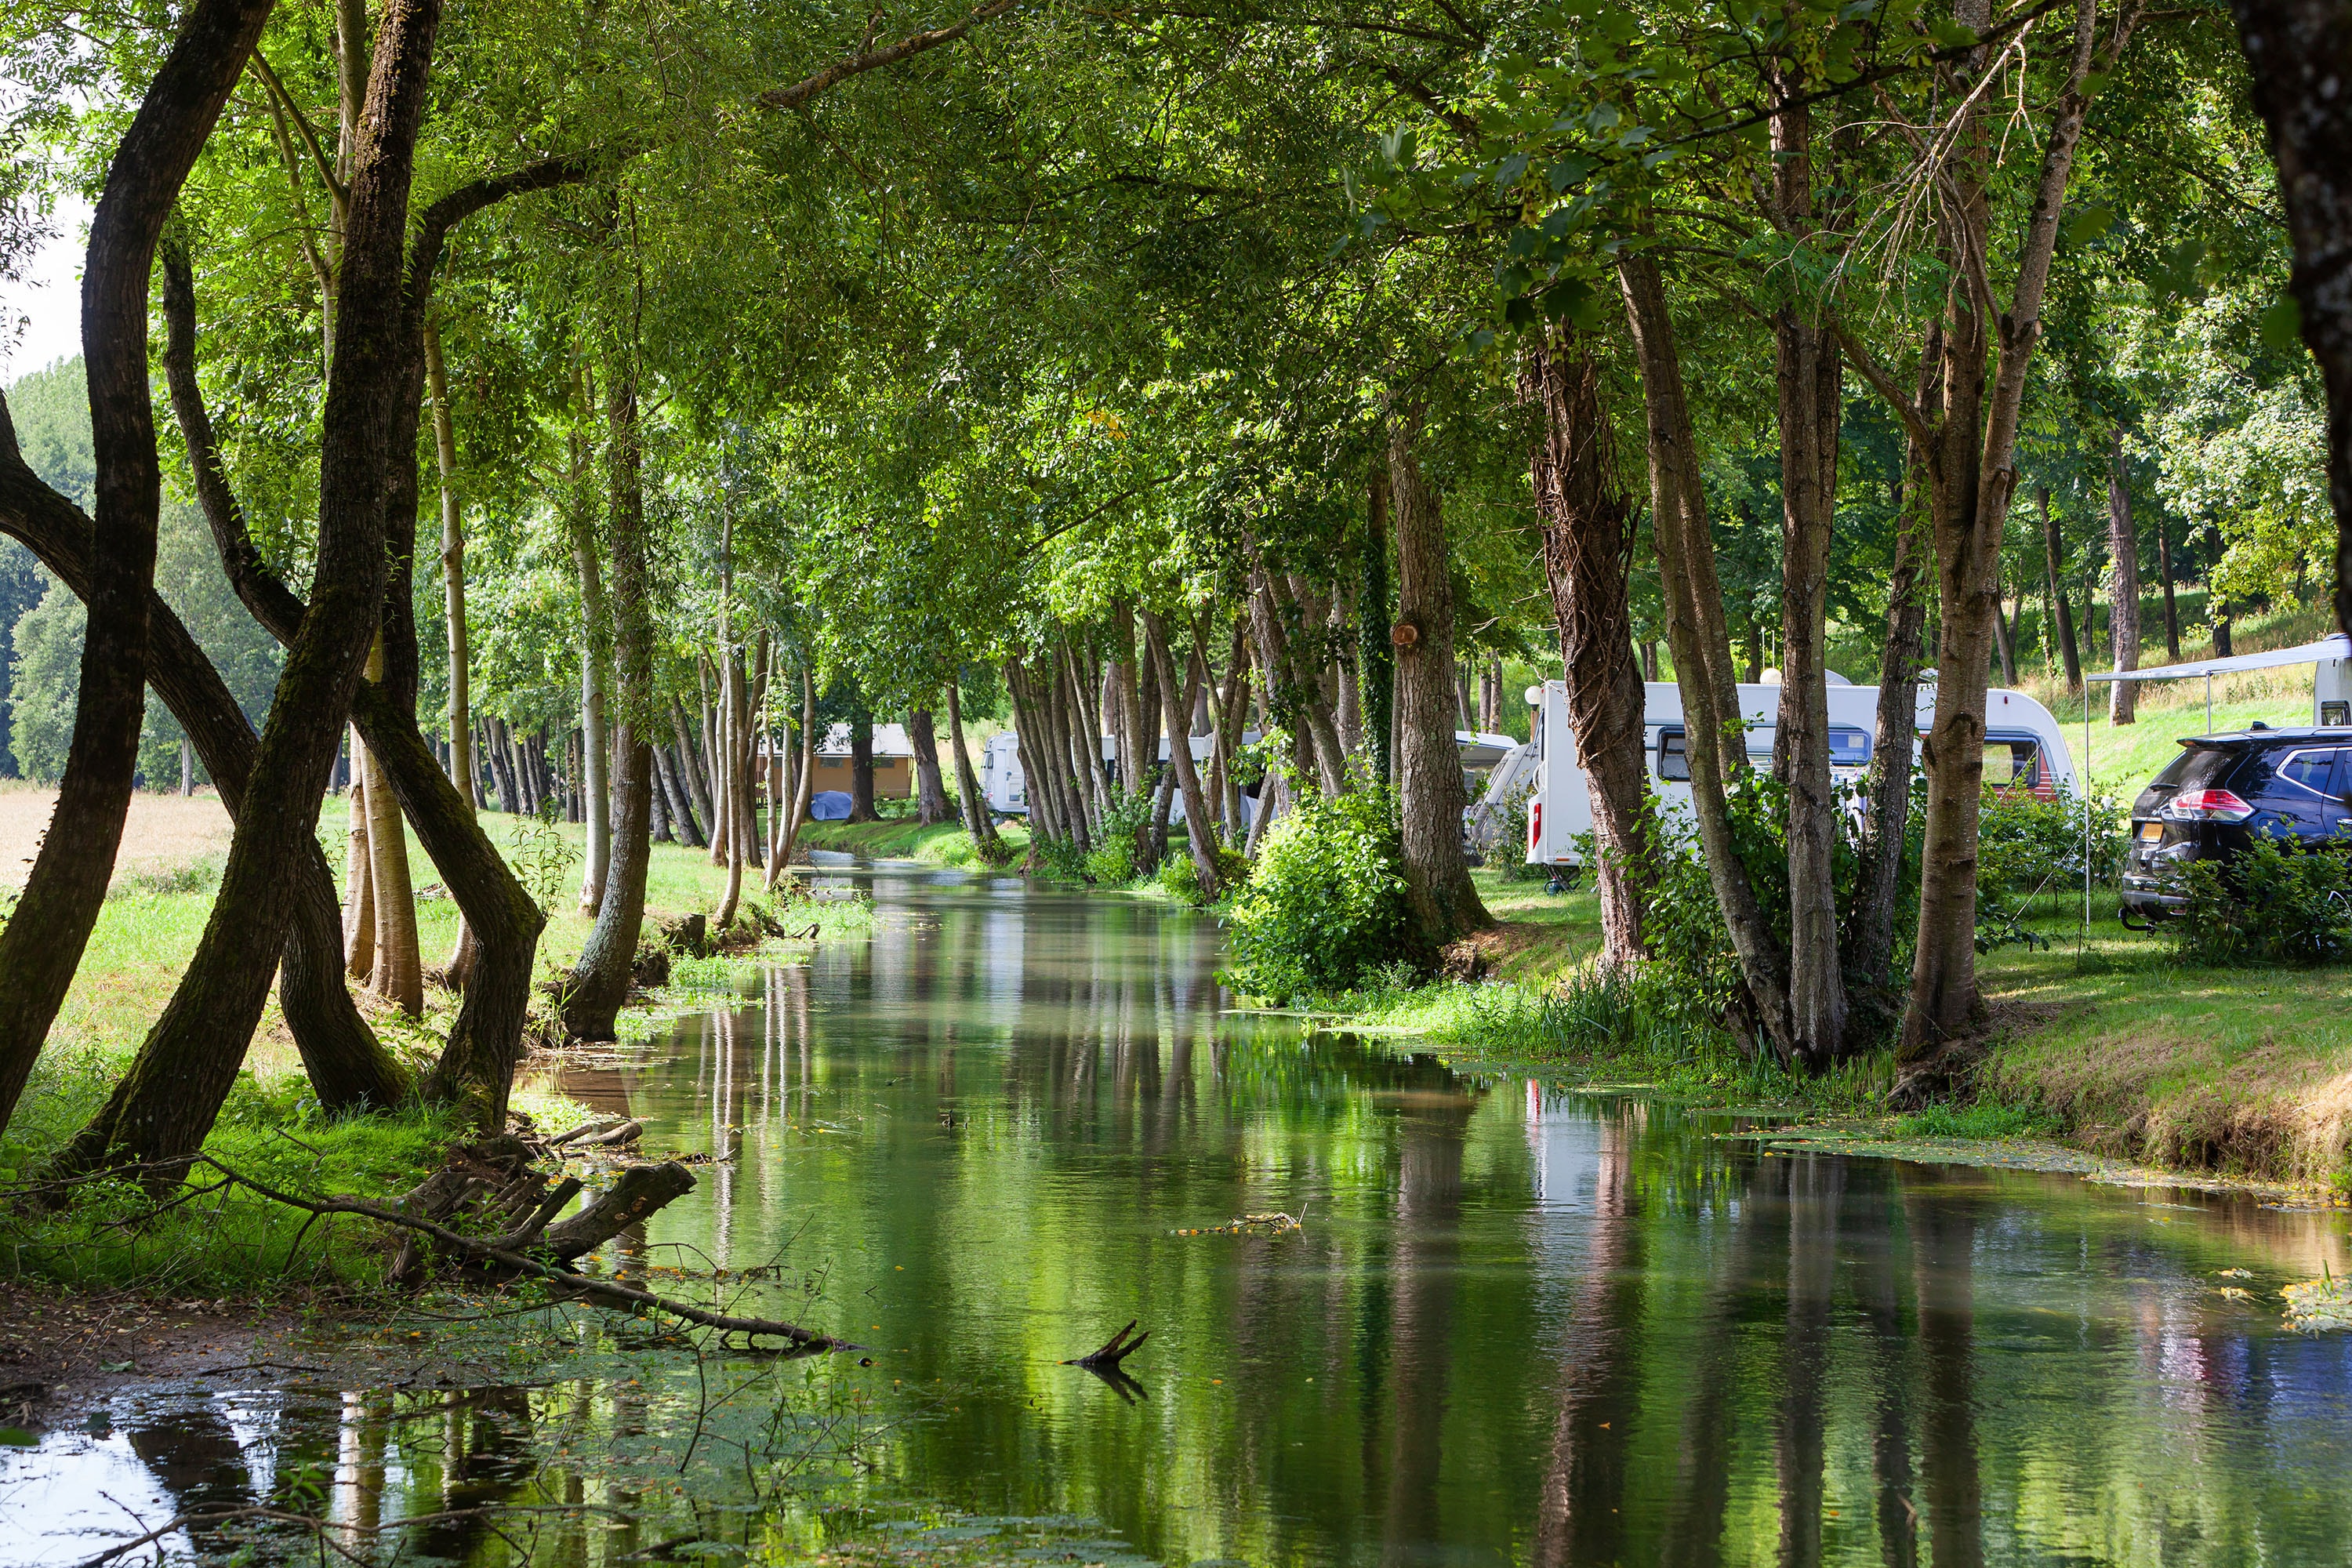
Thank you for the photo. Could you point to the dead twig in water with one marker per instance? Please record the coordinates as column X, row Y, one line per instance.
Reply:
column 602, row 1289
column 1115, row 1350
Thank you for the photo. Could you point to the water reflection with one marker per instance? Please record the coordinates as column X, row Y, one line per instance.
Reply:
column 1517, row 1324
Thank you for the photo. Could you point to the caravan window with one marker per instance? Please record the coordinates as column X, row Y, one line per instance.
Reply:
column 2013, row 760
column 1673, row 757
column 1849, row 748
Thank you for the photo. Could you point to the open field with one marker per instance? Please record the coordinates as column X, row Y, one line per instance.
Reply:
column 163, row 832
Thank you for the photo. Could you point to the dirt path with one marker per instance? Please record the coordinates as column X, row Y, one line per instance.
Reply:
column 164, row 832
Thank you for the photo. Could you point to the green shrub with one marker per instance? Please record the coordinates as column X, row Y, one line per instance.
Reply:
column 2278, row 903
column 1325, row 905
column 1181, row 878
column 1059, row 859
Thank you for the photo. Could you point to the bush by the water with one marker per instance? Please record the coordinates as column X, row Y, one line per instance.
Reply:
column 1325, row 905
column 2277, row 903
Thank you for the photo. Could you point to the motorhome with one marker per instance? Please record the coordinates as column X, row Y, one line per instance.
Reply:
column 2024, row 749
column 1005, row 786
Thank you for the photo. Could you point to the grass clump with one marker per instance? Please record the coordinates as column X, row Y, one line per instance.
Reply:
column 1986, row 1119
column 205, row 1238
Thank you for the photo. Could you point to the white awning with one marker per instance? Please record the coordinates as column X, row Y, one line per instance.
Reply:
column 2337, row 646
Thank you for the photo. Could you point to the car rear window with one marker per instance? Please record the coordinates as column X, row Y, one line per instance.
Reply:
column 2196, row 767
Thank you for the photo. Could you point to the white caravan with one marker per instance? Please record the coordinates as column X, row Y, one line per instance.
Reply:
column 1005, row 786
column 2024, row 749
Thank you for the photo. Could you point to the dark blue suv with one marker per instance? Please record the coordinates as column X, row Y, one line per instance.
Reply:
column 2224, row 791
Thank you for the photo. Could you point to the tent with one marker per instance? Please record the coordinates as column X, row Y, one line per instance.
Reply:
column 829, row 806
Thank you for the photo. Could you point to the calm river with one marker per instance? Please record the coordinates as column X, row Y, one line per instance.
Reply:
column 1516, row 1324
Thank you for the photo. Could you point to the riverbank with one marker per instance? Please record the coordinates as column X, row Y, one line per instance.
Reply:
column 943, row 844
column 2107, row 1045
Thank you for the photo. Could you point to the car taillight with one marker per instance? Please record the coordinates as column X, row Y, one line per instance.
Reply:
column 2208, row 806
column 1535, row 825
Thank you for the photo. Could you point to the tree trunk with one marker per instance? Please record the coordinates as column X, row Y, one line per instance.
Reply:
column 359, row 874
column 1810, row 398
column 2300, row 55
column 1588, row 555
column 803, row 784
column 599, row 983
column 42, row 942
column 398, row 974
column 697, row 791
column 2062, row 610
column 976, row 819
column 1887, row 814
column 2004, row 634
column 2122, row 617
column 460, row 967
column 1375, row 654
column 167, row 1102
column 2171, row 610
column 1430, row 796
column 1975, row 478
column 1135, row 761
column 861, row 768
column 595, row 731
column 1700, row 639
column 671, row 794
column 930, row 789
column 736, row 808
column 1300, row 690
column 1176, row 707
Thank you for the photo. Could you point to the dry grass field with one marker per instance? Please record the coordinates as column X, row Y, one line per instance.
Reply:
column 165, row 831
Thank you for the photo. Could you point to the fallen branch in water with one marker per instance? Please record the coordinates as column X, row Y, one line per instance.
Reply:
column 500, row 1250
column 1116, row 1348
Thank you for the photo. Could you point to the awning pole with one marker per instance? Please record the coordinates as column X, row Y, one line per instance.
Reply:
column 2086, row 819
column 2209, row 701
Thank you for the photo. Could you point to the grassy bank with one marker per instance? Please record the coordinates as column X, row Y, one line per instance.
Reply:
column 943, row 844
column 228, row 1243
column 2108, row 1044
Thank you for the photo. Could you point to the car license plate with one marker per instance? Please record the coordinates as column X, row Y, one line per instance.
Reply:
column 2149, row 832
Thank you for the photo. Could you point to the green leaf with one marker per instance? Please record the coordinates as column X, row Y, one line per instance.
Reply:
column 17, row 1437
column 2281, row 324
column 1951, row 35
column 1570, row 171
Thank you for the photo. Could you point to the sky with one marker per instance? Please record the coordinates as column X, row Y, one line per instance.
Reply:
column 40, row 312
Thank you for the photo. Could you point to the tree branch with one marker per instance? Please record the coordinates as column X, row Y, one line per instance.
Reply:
column 811, row 87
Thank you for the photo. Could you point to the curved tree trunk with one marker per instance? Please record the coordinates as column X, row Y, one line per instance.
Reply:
column 1588, row 556
column 161, row 1109
column 1430, row 794
column 803, row 784
column 348, row 1065
column 599, row 983
column 1697, row 632
column 976, row 819
column 42, row 945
